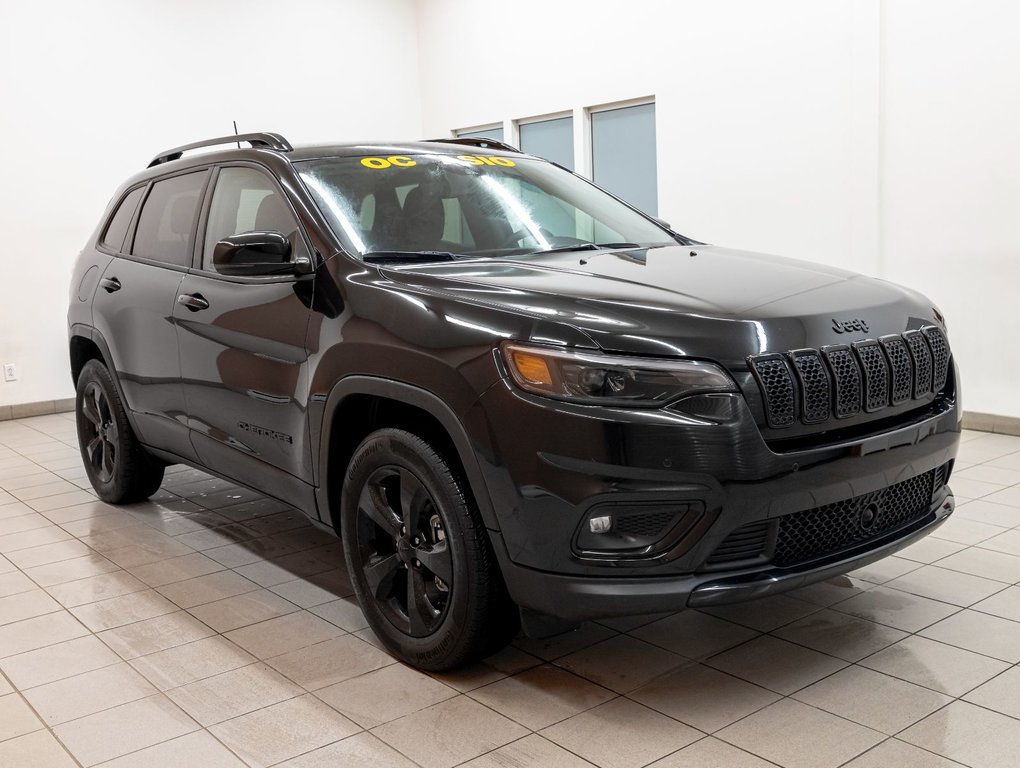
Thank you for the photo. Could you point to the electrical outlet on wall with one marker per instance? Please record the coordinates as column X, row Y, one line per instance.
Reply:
column 10, row 371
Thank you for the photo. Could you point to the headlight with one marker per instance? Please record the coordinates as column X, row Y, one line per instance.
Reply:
column 596, row 379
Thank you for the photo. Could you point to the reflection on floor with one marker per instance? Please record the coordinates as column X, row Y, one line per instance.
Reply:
column 211, row 627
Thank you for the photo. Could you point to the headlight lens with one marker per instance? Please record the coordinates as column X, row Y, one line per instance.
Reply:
column 596, row 379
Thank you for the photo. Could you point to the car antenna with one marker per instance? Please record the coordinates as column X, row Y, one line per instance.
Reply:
column 235, row 133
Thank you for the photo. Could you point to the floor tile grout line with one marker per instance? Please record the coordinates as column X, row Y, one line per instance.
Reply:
column 45, row 726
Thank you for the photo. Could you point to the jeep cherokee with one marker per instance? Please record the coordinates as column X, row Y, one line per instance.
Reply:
column 514, row 396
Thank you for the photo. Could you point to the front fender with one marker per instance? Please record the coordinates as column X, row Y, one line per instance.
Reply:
column 409, row 395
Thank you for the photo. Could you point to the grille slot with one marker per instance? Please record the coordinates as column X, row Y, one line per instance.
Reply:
column 939, row 353
column 941, row 477
column 815, row 388
column 921, row 355
column 902, row 367
column 847, row 376
column 827, row 530
column 745, row 543
column 876, row 374
column 776, row 384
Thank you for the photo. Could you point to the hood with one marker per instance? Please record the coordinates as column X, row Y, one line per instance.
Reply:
column 700, row 301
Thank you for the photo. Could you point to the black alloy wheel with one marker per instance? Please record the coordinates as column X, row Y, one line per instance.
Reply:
column 100, row 444
column 419, row 556
column 118, row 466
column 403, row 551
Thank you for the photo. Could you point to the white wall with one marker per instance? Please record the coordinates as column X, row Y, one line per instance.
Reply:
column 878, row 135
column 951, row 178
column 91, row 91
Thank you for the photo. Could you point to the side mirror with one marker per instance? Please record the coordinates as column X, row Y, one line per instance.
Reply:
column 254, row 253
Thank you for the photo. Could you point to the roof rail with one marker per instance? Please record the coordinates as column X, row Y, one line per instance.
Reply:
column 483, row 143
column 269, row 140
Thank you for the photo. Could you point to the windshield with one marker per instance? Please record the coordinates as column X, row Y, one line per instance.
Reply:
column 469, row 205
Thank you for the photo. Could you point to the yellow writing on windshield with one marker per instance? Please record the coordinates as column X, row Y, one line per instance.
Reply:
column 486, row 160
column 377, row 163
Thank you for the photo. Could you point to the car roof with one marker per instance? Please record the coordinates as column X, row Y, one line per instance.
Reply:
column 266, row 145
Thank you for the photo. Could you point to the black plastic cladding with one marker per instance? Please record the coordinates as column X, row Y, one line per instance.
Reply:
column 871, row 374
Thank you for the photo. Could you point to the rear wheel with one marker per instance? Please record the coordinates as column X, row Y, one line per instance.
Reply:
column 419, row 556
column 118, row 467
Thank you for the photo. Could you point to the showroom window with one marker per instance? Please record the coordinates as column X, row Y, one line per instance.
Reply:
column 168, row 218
column 551, row 139
column 623, row 154
column 245, row 200
column 495, row 133
column 118, row 226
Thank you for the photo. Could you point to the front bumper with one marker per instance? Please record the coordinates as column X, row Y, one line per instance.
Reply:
column 580, row 599
column 719, row 461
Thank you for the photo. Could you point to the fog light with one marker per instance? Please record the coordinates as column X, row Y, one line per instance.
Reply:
column 634, row 529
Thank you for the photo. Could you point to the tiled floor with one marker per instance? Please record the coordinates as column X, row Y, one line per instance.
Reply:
column 210, row 627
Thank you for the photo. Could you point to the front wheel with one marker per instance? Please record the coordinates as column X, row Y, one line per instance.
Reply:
column 119, row 468
column 419, row 556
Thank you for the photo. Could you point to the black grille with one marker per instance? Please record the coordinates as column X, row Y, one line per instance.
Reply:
column 805, row 536
column 939, row 353
column 876, row 374
column 815, row 391
column 848, row 380
column 902, row 369
column 777, row 385
column 922, row 362
column 746, row 543
column 650, row 524
column 841, row 380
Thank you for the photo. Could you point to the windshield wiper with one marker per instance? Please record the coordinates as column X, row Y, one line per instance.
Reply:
column 584, row 247
column 378, row 257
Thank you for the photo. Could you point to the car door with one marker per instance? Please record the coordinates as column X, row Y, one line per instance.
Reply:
column 242, row 341
column 134, row 306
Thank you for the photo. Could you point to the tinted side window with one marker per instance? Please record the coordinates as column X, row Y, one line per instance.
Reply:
column 166, row 224
column 121, row 220
column 246, row 200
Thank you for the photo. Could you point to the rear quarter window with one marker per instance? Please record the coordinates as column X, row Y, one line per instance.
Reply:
column 117, row 227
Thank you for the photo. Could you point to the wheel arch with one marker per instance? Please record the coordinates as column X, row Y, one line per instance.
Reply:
column 86, row 343
column 358, row 405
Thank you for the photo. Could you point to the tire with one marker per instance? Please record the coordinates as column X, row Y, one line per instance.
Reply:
column 419, row 555
column 120, row 469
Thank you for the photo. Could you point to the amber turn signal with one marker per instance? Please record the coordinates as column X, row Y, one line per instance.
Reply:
column 532, row 368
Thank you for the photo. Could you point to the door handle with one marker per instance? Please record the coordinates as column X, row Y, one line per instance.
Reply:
column 193, row 301
column 110, row 284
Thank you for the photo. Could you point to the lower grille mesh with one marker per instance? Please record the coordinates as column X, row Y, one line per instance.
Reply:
column 814, row 533
column 649, row 524
column 824, row 530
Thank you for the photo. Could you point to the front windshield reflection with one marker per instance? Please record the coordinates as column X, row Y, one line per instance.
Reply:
column 468, row 206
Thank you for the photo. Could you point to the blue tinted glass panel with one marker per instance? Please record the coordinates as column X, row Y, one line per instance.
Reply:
column 623, row 154
column 551, row 139
column 489, row 133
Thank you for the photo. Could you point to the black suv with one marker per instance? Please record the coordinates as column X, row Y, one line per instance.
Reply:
column 515, row 396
